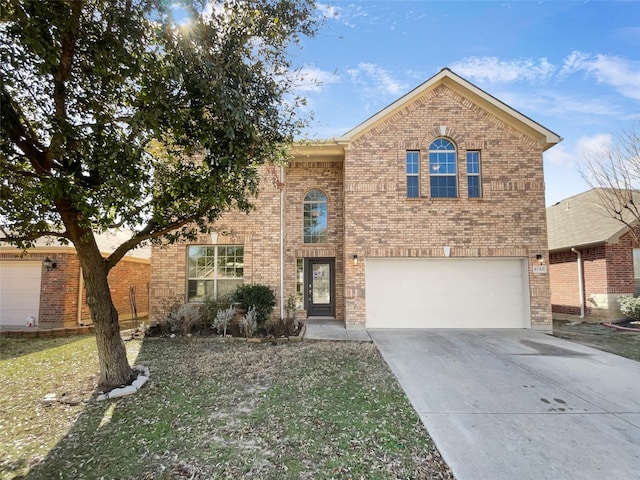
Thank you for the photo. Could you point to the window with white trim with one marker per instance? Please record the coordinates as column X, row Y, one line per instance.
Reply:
column 473, row 174
column 413, row 173
column 213, row 271
column 315, row 217
column 443, row 169
column 300, row 283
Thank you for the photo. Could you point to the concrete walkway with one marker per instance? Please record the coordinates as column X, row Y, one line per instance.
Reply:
column 331, row 329
column 519, row 404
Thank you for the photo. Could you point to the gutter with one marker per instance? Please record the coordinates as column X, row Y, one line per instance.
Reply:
column 580, row 280
column 563, row 248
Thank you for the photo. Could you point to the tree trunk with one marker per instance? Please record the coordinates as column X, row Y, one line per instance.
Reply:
column 112, row 355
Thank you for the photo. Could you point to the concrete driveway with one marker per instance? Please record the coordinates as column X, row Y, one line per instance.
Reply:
column 519, row 404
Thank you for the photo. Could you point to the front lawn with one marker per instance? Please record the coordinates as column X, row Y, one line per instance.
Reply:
column 623, row 343
column 213, row 409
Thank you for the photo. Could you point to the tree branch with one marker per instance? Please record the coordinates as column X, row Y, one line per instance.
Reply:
column 22, row 173
column 61, row 76
column 146, row 233
column 14, row 124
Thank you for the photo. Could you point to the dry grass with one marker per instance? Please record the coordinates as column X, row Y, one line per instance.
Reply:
column 620, row 342
column 213, row 409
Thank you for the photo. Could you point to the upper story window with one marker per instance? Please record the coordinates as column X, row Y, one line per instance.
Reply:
column 413, row 174
column 213, row 271
column 473, row 174
column 315, row 217
column 443, row 169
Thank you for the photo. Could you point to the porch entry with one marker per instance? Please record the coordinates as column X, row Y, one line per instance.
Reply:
column 320, row 287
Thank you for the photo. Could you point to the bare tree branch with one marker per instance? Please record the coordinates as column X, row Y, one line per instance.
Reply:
column 614, row 172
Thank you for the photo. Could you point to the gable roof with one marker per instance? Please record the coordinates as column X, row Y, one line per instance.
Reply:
column 521, row 122
column 581, row 221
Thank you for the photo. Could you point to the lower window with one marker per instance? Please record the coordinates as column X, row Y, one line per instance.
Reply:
column 444, row 186
column 300, row 283
column 213, row 271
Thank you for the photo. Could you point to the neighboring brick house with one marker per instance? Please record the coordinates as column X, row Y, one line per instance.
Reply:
column 429, row 214
column 593, row 259
column 51, row 296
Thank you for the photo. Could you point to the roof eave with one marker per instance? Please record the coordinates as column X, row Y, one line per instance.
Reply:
column 331, row 149
column 581, row 245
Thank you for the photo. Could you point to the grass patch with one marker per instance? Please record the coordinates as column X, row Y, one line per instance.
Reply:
column 619, row 342
column 215, row 409
column 29, row 370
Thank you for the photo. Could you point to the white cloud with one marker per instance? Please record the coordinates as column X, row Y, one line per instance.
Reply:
column 328, row 11
column 549, row 102
column 620, row 73
column 342, row 15
column 594, row 146
column 586, row 147
column 494, row 70
column 559, row 155
column 311, row 79
column 375, row 80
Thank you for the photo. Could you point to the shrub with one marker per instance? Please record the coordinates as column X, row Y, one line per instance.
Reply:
column 212, row 306
column 248, row 324
column 291, row 312
column 287, row 326
column 222, row 320
column 166, row 313
column 630, row 307
column 183, row 320
column 261, row 297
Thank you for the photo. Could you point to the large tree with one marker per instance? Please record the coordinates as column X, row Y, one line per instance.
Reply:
column 614, row 169
column 135, row 115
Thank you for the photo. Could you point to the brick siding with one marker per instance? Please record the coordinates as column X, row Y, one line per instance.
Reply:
column 370, row 216
column 508, row 221
column 565, row 289
column 607, row 272
column 59, row 287
column 259, row 233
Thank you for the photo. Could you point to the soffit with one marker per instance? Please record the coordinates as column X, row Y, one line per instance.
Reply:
column 325, row 150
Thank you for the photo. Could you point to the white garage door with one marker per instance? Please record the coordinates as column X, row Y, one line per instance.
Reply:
column 446, row 293
column 19, row 292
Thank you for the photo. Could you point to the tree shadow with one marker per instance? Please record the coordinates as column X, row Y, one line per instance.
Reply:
column 116, row 438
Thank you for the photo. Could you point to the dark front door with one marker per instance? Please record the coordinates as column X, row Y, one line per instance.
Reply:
column 320, row 285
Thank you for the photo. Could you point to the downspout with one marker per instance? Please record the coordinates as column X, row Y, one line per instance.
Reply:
column 580, row 280
column 282, row 242
column 79, row 315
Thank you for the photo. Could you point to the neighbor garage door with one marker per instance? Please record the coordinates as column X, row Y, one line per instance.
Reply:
column 446, row 293
column 19, row 292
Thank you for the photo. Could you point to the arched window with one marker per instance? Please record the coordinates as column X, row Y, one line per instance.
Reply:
column 443, row 169
column 315, row 217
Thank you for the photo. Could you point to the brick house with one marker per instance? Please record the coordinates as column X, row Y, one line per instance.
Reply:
column 54, row 296
column 593, row 259
column 429, row 214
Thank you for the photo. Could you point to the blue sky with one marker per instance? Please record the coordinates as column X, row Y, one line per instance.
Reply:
column 573, row 66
